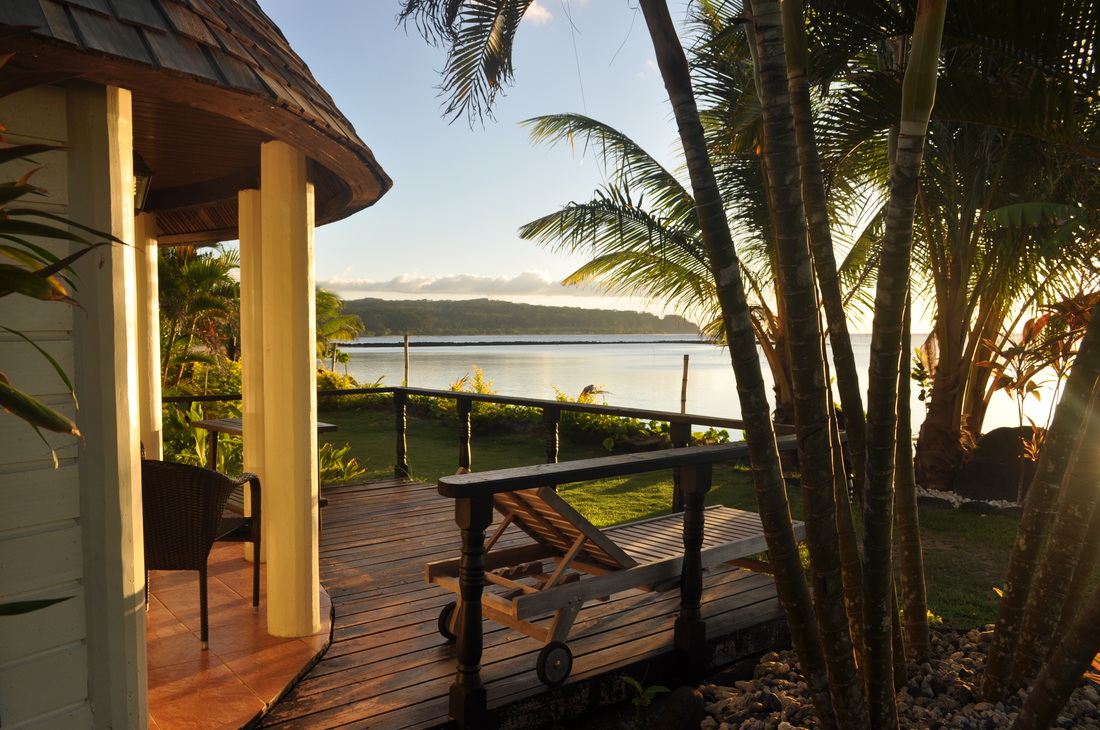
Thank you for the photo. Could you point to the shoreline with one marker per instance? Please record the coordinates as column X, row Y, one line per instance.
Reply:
column 513, row 343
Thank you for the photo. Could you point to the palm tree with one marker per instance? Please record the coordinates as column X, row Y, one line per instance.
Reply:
column 199, row 305
column 1000, row 224
column 643, row 235
column 479, row 38
column 334, row 326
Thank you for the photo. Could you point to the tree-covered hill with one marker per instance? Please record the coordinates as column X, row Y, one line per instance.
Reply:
column 490, row 317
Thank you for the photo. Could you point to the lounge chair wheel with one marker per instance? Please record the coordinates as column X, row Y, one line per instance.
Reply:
column 445, row 621
column 554, row 663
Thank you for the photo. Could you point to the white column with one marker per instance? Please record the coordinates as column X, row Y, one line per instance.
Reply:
column 101, row 185
column 252, row 341
column 148, row 341
column 290, row 395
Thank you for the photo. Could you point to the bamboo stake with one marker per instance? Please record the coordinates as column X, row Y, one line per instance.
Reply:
column 684, row 387
column 405, row 382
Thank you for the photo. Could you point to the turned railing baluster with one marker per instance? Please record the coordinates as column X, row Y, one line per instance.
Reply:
column 401, row 420
column 691, row 631
column 467, row 695
column 465, row 406
column 551, row 417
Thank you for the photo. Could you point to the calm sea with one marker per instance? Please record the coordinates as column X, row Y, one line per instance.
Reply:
column 644, row 372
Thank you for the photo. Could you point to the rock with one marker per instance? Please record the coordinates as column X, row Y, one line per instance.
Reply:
column 683, row 707
column 996, row 469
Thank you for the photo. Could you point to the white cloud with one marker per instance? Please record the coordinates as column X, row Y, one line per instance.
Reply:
column 537, row 15
column 650, row 70
column 525, row 284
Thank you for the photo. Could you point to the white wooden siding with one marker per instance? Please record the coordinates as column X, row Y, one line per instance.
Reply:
column 43, row 658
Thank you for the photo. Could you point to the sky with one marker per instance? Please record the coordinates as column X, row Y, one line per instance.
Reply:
column 447, row 228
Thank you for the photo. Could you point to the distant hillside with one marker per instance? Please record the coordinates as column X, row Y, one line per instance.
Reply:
column 490, row 317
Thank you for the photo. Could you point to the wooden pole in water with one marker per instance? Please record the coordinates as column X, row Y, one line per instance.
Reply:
column 405, row 383
column 684, row 387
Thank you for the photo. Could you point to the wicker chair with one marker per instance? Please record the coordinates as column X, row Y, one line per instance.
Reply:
column 183, row 509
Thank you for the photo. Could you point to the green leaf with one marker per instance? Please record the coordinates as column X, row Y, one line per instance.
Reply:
column 14, row 227
column 66, row 221
column 17, row 280
column 7, row 154
column 18, row 607
column 33, row 411
column 1027, row 214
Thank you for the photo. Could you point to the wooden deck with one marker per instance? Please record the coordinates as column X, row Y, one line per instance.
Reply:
column 388, row 667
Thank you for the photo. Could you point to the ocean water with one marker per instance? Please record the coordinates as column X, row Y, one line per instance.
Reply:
column 644, row 372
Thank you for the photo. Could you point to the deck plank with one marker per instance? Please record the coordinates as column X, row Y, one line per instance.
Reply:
column 388, row 667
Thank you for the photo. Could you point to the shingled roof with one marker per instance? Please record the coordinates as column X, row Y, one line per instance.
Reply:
column 211, row 80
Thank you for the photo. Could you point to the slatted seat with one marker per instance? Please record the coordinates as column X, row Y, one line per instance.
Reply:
column 572, row 561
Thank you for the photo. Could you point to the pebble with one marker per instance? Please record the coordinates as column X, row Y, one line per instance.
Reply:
column 941, row 693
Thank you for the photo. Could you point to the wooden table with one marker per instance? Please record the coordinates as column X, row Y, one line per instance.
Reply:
column 235, row 427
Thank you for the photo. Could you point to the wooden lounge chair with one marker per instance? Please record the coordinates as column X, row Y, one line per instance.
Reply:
column 572, row 561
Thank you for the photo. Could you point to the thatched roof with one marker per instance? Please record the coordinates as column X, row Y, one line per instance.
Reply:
column 211, row 80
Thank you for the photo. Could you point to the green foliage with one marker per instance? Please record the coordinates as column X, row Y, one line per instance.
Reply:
column 336, row 466
column 331, row 380
column 604, row 429
column 188, row 445
column 491, row 317
column 333, row 326
column 643, row 696
column 199, row 312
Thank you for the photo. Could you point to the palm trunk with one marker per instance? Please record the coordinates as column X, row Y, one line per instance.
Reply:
column 774, row 510
column 911, row 561
column 804, row 337
column 1082, row 577
column 918, row 94
column 1068, row 421
column 1075, row 506
column 851, row 568
column 1062, row 674
column 821, row 241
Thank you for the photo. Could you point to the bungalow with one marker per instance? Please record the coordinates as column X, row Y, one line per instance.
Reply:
column 205, row 104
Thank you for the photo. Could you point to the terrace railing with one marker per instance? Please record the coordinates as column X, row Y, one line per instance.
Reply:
column 680, row 424
column 692, row 468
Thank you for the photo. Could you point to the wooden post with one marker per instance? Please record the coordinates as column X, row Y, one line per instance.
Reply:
column 291, row 491
column 250, row 222
column 405, row 382
column 551, row 417
column 150, row 426
column 680, row 435
column 468, row 697
column 691, row 631
column 465, row 406
column 400, row 414
column 684, row 387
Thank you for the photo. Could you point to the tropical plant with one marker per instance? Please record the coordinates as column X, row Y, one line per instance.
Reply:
column 199, row 310
column 334, row 326
column 1009, row 179
column 655, row 248
column 28, row 265
column 642, row 696
column 336, row 466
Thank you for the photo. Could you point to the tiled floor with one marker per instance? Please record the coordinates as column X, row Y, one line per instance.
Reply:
column 242, row 672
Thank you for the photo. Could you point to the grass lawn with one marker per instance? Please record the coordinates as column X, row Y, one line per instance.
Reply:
column 965, row 554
